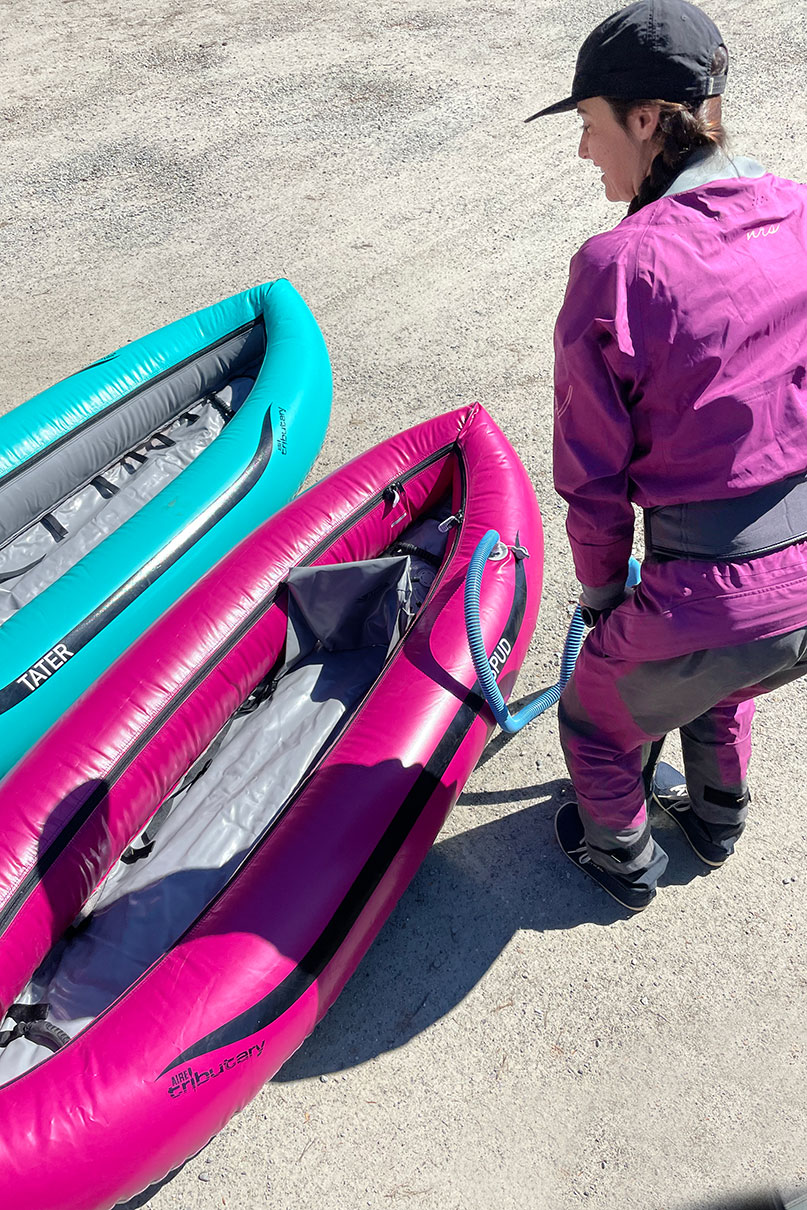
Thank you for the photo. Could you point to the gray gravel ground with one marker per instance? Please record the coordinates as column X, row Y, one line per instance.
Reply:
column 511, row 1039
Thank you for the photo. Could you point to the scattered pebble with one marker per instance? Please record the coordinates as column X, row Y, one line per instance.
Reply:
column 644, row 1000
column 204, row 1176
column 323, row 1079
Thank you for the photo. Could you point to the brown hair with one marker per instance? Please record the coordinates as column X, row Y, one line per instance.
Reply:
column 682, row 129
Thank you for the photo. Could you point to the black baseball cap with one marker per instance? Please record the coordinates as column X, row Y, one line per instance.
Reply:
column 654, row 49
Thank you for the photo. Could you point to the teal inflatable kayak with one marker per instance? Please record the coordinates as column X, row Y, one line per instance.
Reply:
column 123, row 484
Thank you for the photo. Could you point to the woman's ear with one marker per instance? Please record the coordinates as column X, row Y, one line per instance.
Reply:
column 643, row 122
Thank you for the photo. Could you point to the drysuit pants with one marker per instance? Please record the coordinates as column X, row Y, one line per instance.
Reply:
column 613, row 717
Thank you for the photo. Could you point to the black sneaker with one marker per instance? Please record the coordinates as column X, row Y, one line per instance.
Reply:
column 670, row 793
column 571, row 838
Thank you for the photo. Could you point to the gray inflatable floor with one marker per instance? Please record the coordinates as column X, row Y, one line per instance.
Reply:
column 343, row 622
column 50, row 547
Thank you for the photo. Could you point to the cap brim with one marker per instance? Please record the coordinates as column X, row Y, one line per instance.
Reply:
column 558, row 107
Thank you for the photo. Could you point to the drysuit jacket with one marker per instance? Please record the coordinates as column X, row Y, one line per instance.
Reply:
column 680, row 356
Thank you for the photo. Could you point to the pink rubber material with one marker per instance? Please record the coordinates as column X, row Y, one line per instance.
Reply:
column 114, row 1110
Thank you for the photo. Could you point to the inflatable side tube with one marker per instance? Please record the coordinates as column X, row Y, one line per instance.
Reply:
column 62, row 640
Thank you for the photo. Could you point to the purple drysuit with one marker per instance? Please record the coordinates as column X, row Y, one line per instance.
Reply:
column 681, row 378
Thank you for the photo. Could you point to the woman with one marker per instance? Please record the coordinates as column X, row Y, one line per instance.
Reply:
column 680, row 387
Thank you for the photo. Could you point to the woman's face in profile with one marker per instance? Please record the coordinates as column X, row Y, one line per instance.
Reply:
column 623, row 154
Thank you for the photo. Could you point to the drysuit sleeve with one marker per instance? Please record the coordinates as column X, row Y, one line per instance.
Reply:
column 595, row 379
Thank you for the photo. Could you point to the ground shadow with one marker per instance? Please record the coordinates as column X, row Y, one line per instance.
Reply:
column 143, row 1198
column 684, row 866
column 763, row 1200
column 471, row 894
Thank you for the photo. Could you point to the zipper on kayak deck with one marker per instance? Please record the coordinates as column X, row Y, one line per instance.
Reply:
column 452, row 522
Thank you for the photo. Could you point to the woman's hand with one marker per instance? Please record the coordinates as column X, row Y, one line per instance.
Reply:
column 596, row 603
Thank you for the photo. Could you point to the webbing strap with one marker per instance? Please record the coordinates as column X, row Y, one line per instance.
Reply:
column 23, row 1016
column 16, row 572
column 161, row 441
column 726, row 798
column 145, row 841
column 138, row 459
column 54, row 527
column 105, row 489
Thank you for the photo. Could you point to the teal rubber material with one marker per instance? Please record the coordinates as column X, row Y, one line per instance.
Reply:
column 293, row 389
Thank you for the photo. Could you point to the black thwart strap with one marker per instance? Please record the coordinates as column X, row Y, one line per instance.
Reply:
column 54, row 527
column 29, row 1020
column 105, row 489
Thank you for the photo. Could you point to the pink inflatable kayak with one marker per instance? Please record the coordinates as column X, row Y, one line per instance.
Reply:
column 195, row 858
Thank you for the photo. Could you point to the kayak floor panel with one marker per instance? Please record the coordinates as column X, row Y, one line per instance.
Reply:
column 143, row 907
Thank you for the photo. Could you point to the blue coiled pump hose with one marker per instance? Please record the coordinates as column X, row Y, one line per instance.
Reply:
column 486, row 675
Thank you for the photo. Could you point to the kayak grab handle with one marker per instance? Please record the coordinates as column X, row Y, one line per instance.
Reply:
column 484, row 671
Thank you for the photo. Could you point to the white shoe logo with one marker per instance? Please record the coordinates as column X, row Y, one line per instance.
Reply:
column 670, row 795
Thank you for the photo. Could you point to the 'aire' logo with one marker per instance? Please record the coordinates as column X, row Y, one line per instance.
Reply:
column 190, row 1079
column 762, row 231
